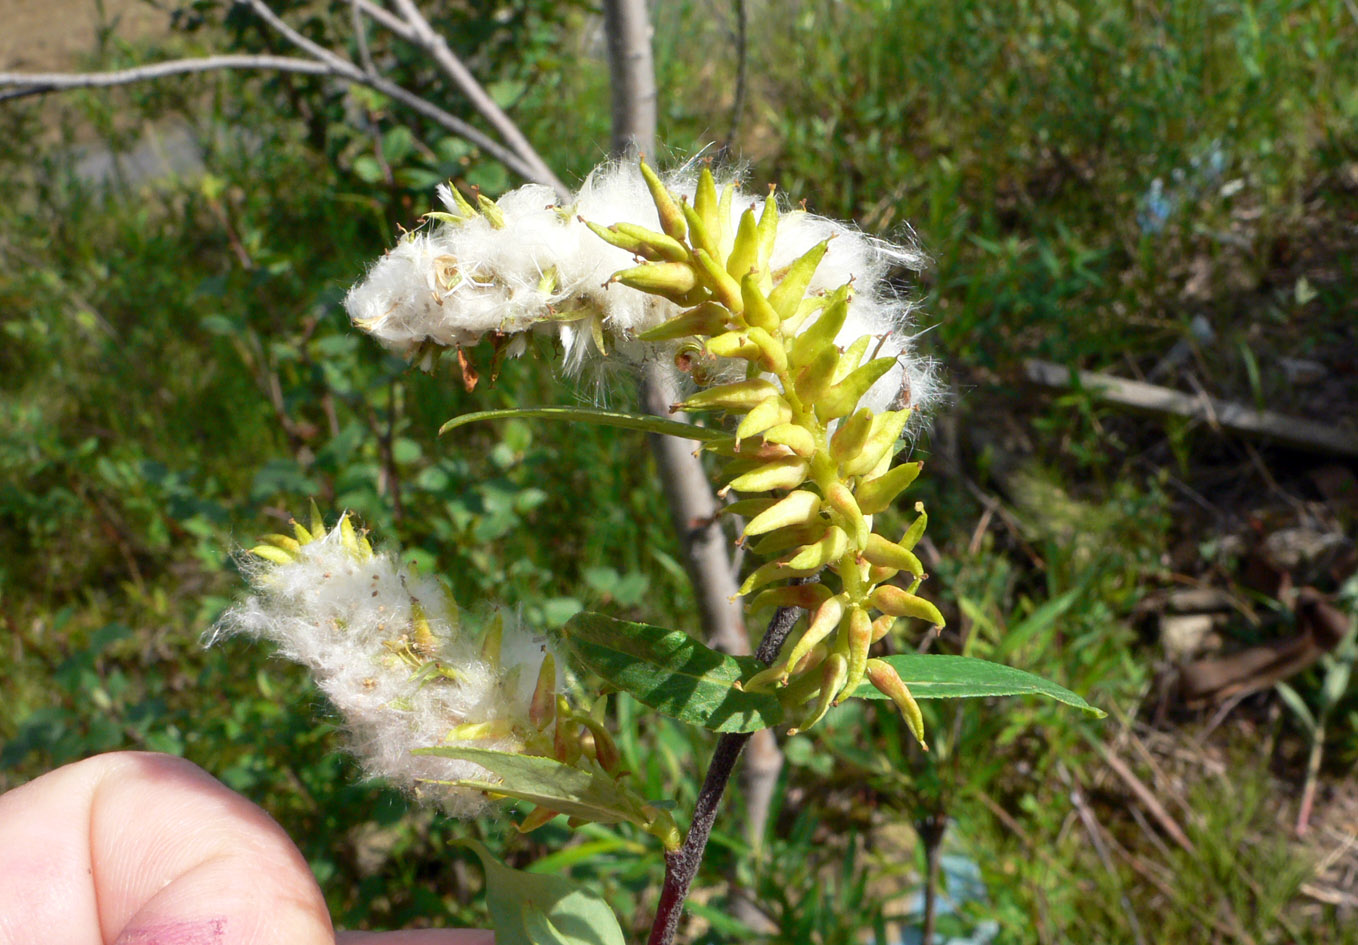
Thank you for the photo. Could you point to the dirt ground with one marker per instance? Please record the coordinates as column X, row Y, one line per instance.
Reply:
column 51, row 35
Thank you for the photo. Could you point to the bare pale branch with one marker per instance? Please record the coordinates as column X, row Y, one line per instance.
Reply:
column 434, row 44
column 24, row 84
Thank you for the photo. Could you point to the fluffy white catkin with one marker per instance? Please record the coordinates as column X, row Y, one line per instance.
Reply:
column 537, row 267
column 372, row 632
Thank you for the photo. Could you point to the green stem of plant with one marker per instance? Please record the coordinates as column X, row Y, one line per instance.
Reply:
column 681, row 865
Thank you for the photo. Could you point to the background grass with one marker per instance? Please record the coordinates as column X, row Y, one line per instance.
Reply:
column 1089, row 178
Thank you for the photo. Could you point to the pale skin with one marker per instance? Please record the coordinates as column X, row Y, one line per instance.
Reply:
column 132, row 848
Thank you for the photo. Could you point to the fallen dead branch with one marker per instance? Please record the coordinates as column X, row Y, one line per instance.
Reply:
column 1298, row 433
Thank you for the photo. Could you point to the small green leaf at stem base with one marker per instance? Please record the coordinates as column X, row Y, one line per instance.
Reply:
column 533, row 909
column 939, row 676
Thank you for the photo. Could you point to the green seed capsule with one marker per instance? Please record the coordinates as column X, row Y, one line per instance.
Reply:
column 772, row 354
column 671, row 217
column 788, row 294
column 803, row 596
column 786, row 473
column 916, row 530
column 888, row 554
column 796, row 508
column 733, row 344
column 851, row 435
column 814, row 379
column 887, row 681
column 834, row 673
column 829, row 548
column 724, row 289
column 898, row 602
column 859, row 636
column 707, row 319
column 494, row 215
column 671, row 280
column 839, row 498
column 758, row 312
column 842, row 399
column 794, row 436
column 882, row 436
column 705, row 204
column 811, row 342
column 737, row 397
column 877, row 495
column 768, row 231
column 744, row 256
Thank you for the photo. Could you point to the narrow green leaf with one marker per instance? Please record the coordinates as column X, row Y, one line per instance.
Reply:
column 591, row 795
column 672, row 673
column 532, row 909
column 936, row 676
column 608, row 418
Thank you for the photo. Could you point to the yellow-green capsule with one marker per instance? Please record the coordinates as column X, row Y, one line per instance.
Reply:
column 812, row 341
column 839, row 497
column 542, row 706
column 744, row 257
column 728, row 194
column 859, row 636
column 794, row 436
column 494, row 215
column 898, row 602
column 706, row 319
column 748, row 507
column 272, row 553
column 786, row 473
column 723, row 288
column 538, row 817
column 888, row 554
column 788, row 294
column 876, row 495
column 768, row 413
column 705, row 204
column 286, row 542
column 491, row 642
column 852, row 358
column 671, row 217
column 767, row 573
column 887, row 681
column 834, row 673
column 641, row 241
column 772, row 354
column 824, row 620
column 671, row 280
column 882, row 626
column 850, row 435
column 796, row 508
column 699, row 237
column 656, row 245
column 786, row 538
column 803, row 596
column 829, row 548
column 465, row 208
column 733, row 344
column 842, row 398
column 768, row 230
column 739, row 396
column 758, row 312
column 882, row 436
column 814, row 379
column 916, row 530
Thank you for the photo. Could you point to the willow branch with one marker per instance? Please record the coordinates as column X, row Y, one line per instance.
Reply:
column 681, row 865
column 24, row 84
column 431, row 42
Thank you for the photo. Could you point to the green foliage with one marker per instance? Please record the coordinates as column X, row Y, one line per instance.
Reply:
column 672, row 673
column 938, row 676
column 533, row 909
